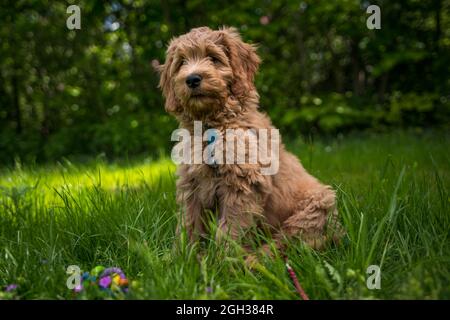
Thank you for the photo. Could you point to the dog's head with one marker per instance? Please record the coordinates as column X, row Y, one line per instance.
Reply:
column 204, row 68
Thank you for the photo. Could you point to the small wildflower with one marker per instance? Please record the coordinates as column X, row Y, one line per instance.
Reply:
column 11, row 287
column 78, row 288
column 105, row 282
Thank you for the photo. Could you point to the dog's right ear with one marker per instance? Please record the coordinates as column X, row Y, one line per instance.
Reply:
column 165, row 82
column 243, row 59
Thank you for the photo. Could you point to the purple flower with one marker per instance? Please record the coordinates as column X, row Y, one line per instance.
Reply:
column 11, row 287
column 78, row 288
column 109, row 271
column 209, row 290
column 105, row 282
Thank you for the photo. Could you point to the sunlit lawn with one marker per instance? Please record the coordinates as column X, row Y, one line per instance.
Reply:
column 393, row 200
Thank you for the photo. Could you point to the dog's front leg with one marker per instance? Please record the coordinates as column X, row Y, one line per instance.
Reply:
column 238, row 211
column 190, row 219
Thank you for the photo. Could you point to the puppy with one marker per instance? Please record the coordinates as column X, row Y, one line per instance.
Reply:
column 208, row 76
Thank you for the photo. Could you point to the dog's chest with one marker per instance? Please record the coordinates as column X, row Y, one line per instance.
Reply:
column 207, row 184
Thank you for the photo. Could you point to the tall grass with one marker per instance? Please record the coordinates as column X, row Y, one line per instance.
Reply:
column 393, row 201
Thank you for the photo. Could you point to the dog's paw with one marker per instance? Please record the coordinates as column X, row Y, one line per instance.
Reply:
column 251, row 261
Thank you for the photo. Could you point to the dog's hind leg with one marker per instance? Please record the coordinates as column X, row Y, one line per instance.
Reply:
column 315, row 221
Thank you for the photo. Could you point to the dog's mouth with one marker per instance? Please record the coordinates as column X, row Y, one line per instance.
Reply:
column 198, row 95
column 201, row 101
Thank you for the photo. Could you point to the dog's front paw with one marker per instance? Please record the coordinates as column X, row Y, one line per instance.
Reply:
column 251, row 261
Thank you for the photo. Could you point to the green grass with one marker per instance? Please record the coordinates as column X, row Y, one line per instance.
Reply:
column 393, row 201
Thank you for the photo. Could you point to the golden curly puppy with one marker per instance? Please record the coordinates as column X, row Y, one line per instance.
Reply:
column 208, row 76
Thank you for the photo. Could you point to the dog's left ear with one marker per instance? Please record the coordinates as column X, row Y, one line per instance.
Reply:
column 243, row 60
column 165, row 82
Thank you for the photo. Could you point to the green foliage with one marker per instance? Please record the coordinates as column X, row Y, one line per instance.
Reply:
column 414, row 108
column 65, row 93
column 336, row 112
column 329, row 113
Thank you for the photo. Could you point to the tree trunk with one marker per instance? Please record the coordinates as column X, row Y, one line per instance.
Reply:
column 338, row 74
column 438, row 9
column 358, row 74
column 302, row 52
column 383, row 86
column 17, row 114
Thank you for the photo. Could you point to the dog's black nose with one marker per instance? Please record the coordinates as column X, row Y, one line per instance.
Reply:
column 193, row 80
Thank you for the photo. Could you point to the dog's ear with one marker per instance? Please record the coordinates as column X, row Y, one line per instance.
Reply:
column 243, row 60
column 165, row 81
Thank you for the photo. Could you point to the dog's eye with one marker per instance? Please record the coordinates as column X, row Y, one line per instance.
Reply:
column 181, row 63
column 214, row 60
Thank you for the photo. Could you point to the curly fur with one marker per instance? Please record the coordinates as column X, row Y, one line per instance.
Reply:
column 291, row 202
